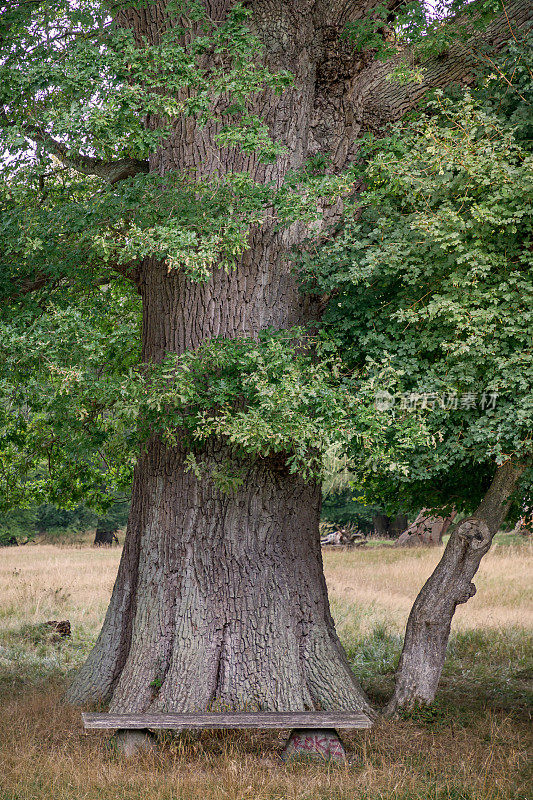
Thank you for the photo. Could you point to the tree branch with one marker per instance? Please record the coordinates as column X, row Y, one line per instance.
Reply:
column 40, row 280
column 378, row 100
column 110, row 171
column 27, row 286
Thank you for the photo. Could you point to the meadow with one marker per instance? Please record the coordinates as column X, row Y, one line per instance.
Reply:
column 473, row 744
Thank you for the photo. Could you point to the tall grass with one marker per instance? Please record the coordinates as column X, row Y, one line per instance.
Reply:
column 472, row 745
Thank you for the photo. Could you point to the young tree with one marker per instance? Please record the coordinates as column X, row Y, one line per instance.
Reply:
column 209, row 131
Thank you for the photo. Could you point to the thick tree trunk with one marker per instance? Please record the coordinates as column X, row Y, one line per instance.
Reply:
column 429, row 623
column 220, row 597
column 224, row 603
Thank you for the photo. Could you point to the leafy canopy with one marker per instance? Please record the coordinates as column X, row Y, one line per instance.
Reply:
column 433, row 270
column 67, row 426
column 79, row 90
column 79, row 93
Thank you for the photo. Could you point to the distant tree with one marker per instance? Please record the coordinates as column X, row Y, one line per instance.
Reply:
column 426, row 529
column 50, row 518
column 342, row 508
column 17, row 526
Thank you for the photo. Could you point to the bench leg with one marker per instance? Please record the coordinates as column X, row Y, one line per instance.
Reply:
column 131, row 742
column 316, row 745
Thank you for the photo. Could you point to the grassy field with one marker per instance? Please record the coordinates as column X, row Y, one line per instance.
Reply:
column 473, row 745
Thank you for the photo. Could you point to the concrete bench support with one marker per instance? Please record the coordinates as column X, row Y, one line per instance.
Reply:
column 131, row 743
column 319, row 744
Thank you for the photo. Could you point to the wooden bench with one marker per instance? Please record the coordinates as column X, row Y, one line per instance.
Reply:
column 313, row 733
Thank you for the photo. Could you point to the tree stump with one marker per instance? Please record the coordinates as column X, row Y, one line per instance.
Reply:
column 314, row 745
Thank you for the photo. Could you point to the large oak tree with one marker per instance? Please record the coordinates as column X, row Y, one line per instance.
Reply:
column 199, row 116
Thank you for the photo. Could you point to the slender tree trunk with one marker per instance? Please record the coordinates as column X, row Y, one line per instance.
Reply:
column 429, row 623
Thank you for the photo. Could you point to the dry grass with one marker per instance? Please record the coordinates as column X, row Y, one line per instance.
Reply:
column 41, row 582
column 472, row 746
column 387, row 580
column 46, row 755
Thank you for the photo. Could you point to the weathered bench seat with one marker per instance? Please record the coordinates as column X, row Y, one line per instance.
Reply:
column 314, row 733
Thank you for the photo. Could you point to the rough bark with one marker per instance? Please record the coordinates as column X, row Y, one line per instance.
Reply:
column 378, row 100
column 220, row 598
column 429, row 623
column 229, row 606
column 427, row 530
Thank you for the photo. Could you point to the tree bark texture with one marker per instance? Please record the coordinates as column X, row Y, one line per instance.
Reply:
column 429, row 623
column 226, row 605
column 220, row 598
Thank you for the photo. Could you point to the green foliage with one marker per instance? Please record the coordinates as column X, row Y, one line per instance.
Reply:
column 115, row 516
column 273, row 395
column 343, row 508
column 434, row 278
column 431, row 283
column 67, row 430
column 88, row 80
column 416, row 32
column 90, row 85
column 55, row 521
column 409, row 22
column 77, row 227
column 17, row 526
column 21, row 525
column 427, row 30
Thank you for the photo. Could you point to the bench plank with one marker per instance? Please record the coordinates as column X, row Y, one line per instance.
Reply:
column 220, row 720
